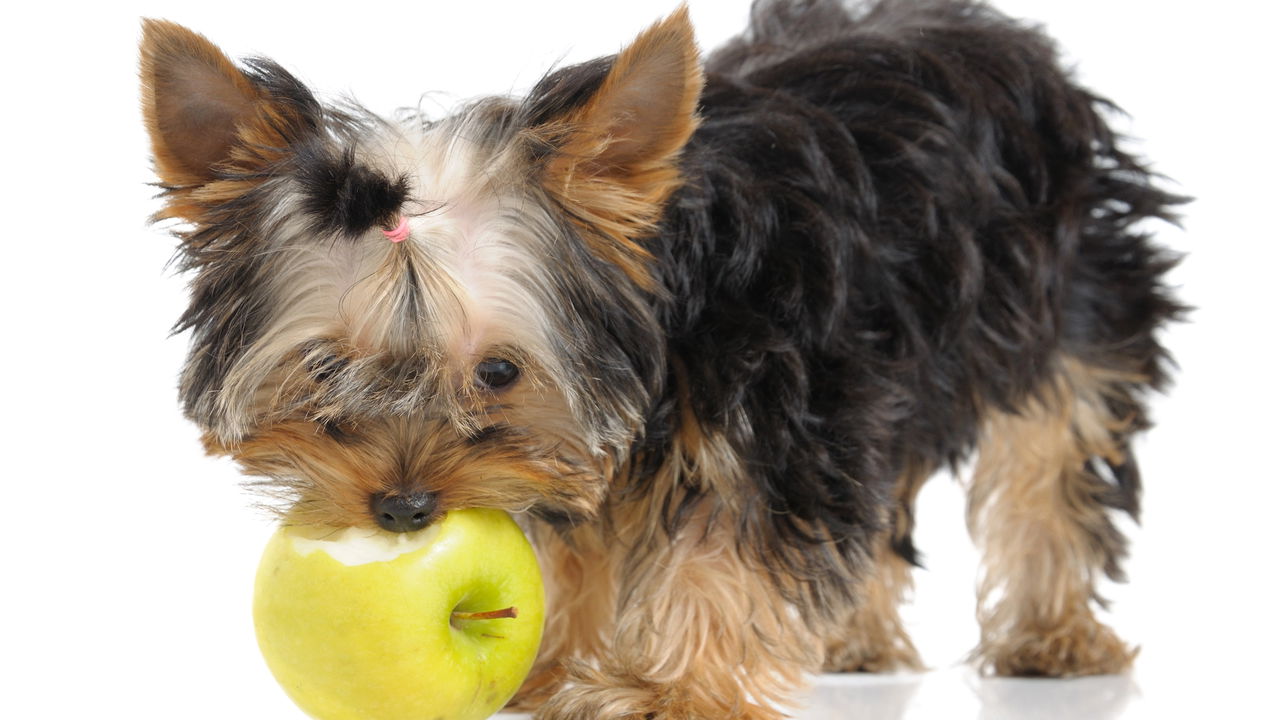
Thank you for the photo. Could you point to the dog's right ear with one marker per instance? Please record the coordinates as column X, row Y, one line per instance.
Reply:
column 617, row 127
column 209, row 120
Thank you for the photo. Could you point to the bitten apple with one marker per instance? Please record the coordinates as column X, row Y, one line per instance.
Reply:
column 363, row 624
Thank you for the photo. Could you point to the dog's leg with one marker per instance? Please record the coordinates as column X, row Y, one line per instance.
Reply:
column 1045, row 481
column 870, row 637
column 701, row 635
column 580, row 602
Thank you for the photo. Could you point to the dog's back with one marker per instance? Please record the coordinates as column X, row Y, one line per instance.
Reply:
column 897, row 220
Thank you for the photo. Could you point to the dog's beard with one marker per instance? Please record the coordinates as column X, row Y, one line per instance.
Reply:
column 325, row 473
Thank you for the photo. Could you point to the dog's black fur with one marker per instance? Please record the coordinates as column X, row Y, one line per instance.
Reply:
column 891, row 223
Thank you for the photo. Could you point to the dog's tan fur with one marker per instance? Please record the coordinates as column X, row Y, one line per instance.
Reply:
column 1031, row 514
column 685, row 611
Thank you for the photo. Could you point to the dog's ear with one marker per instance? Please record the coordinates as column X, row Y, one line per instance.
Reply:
column 209, row 120
column 615, row 128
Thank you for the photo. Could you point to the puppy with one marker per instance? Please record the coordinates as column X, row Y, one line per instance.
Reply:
column 706, row 324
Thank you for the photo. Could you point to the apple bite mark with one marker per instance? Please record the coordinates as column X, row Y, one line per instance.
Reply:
column 359, row 546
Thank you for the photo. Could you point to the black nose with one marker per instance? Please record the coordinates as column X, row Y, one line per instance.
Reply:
column 402, row 513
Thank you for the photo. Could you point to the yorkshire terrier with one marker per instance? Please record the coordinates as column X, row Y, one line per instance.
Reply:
column 705, row 324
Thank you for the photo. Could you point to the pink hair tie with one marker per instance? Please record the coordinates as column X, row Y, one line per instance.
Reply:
column 401, row 231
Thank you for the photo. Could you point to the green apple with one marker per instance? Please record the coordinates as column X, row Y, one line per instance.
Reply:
column 369, row 625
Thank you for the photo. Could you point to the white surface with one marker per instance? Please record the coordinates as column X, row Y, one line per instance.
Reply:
column 129, row 557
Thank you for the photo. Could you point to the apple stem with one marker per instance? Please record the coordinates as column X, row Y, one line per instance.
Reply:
column 509, row 612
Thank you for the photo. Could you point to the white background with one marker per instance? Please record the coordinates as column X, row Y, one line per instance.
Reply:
column 129, row 557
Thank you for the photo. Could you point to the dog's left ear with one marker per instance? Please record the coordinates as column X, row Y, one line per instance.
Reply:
column 616, row 130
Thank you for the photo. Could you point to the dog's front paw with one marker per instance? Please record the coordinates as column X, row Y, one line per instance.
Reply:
column 599, row 701
column 542, row 683
column 597, row 696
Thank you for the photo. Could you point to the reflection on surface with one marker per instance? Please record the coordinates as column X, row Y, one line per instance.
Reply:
column 882, row 697
column 1096, row 698
column 958, row 693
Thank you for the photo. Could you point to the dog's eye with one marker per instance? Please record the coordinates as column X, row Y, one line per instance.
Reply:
column 496, row 373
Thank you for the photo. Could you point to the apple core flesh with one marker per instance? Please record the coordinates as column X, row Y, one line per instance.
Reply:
column 360, row 624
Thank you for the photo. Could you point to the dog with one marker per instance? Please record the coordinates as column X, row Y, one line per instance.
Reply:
column 704, row 324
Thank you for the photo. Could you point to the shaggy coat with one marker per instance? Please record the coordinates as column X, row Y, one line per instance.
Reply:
column 706, row 323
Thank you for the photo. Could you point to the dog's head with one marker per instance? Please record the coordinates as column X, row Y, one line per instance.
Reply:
column 503, row 354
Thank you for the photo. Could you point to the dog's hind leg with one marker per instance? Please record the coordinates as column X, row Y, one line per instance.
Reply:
column 1040, row 507
column 870, row 636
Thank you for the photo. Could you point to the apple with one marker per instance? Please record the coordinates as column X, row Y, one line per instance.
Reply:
column 361, row 624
